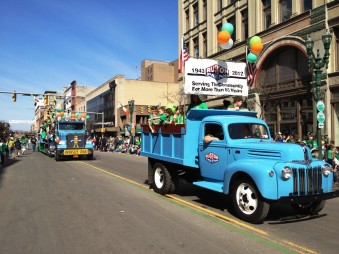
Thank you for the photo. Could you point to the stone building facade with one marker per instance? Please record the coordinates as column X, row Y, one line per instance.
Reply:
column 282, row 79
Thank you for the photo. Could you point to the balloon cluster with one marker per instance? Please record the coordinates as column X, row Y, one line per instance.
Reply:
column 256, row 47
column 77, row 116
column 224, row 36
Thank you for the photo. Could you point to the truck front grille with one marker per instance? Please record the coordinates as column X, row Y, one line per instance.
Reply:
column 307, row 181
column 70, row 140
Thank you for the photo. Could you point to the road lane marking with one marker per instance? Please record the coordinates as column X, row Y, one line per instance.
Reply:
column 297, row 248
column 300, row 247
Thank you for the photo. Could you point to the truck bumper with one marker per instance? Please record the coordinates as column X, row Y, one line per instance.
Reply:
column 61, row 152
column 309, row 198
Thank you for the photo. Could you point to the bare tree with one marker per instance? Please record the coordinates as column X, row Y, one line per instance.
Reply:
column 264, row 92
column 175, row 97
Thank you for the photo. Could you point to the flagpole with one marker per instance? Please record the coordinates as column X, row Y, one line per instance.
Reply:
column 246, row 50
column 183, row 73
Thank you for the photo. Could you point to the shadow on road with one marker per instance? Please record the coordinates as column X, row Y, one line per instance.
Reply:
column 4, row 167
column 278, row 214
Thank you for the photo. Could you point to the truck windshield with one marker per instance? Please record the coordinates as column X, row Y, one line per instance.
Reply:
column 247, row 130
column 73, row 126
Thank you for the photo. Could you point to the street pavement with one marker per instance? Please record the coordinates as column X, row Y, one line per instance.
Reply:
column 65, row 207
column 105, row 206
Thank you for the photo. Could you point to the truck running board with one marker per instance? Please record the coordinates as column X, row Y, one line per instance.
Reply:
column 215, row 186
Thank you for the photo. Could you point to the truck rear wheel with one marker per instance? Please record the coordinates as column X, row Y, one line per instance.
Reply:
column 162, row 181
column 248, row 203
column 57, row 156
column 310, row 208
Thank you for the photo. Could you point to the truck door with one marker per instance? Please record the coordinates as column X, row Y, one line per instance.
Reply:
column 212, row 155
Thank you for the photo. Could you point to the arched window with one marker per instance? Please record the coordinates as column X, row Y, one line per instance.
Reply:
column 284, row 65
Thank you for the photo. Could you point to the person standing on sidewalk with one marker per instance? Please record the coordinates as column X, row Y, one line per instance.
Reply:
column 33, row 142
column 17, row 146
column 11, row 147
column 2, row 152
column 23, row 142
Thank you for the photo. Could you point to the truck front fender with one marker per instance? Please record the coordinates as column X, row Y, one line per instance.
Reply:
column 260, row 172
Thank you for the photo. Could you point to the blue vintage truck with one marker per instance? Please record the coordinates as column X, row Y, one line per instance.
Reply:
column 242, row 161
column 71, row 140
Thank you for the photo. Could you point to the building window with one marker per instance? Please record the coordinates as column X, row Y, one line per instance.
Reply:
column 204, row 41
column 285, row 9
column 336, row 50
column 196, row 47
column 284, row 67
column 307, row 5
column 196, row 14
column 232, row 21
column 231, row 1
column 187, row 14
column 244, row 23
column 204, row 6
column 218, row 27
column 267, row 13
column 219, row 5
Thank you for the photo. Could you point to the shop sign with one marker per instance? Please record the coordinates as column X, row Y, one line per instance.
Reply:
column 321, row 117
column 320, row 106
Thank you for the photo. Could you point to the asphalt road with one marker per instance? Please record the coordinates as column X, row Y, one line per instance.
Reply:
column 104, row 206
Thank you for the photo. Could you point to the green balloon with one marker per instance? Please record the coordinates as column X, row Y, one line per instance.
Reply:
column 254, row 39
column 228, row 27
column 251, row 58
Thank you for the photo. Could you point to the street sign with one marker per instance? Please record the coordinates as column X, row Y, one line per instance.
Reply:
column 320, row 106
column 321, row 117
column 321, row 125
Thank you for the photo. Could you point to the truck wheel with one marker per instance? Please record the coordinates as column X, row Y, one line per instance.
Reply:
column 162, row 181
column 248, row 203
column 309, row 208
column 90, row 157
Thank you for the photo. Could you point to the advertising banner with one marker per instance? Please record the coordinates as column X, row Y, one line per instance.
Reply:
column 215, row 77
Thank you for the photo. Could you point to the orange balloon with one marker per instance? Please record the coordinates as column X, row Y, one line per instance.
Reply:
column 223, row 37
column 83, row 115
column 62, row 113
column 257, row 47
column 72, row 116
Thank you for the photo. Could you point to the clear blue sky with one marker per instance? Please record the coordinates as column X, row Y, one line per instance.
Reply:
column 45, row 44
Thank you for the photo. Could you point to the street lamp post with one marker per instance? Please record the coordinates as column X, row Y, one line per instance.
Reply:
column 131, row 109
column 316, row 64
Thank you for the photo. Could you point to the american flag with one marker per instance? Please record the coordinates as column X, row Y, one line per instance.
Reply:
column 251, row 72
column 184, row 56
column 251, row 69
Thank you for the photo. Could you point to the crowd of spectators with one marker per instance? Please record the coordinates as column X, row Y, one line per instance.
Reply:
column 119, row 144
column 13, row 147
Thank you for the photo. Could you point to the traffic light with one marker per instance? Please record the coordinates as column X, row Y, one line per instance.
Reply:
column 14, row 96
column 45, row 99
column 141, row 110
column 149, row 109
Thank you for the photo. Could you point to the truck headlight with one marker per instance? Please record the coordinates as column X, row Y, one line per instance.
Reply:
column 286, row 173
column 326, row 170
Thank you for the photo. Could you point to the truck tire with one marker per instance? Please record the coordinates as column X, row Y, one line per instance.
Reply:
column 90, row 157
column 162, row 181
column 57, row 156
column 248, row 203
column 310, row 208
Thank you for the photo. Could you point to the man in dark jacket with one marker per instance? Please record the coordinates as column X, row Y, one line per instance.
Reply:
column 17, row 146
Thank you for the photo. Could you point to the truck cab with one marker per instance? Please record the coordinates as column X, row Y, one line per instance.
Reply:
column 241, row 160
column 71, row 140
